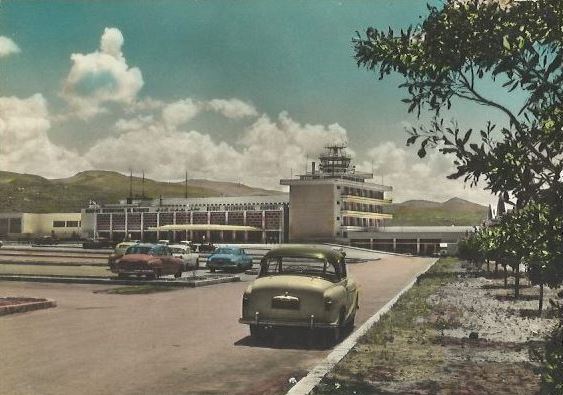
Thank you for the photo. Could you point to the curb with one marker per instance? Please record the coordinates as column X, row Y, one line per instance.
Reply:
column 51, row 263
column 23, row 307
column 315, row 375
column 108, row 281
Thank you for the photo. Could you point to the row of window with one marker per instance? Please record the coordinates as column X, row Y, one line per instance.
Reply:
column 66, row 224
column 363, row 193
column 366, row 208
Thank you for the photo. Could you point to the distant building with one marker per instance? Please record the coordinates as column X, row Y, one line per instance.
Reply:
column 419, row 240
column 329, row 202
column 21, row 225
column 257, row 219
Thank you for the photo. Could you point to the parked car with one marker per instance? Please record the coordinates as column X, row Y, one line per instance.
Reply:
column 45, row 240
column 150, row 260
column 99, row 242
column 305, row 287
column 206, row 247
column 164, row 241
column 229, row 258
column 185, row 253
column 188, row 243
column 119, row 251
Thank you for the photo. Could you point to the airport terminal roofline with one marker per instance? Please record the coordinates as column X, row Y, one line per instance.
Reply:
column 282, row 198
column 339, row 180
column 204, row 227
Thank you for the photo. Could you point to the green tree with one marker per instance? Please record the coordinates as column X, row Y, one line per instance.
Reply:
column 443, row 61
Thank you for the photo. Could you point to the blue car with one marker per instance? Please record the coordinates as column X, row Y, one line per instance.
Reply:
column 229, row 258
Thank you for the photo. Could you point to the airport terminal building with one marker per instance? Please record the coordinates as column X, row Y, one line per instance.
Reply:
column 246, row 219
column 330, row 203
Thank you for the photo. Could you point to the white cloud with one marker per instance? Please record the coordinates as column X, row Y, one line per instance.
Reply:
column 416, row 178
column 180, row 112
column 101, row 77
column 267, row 151
column 233, row 108
column 25, row 147
column 8, row 47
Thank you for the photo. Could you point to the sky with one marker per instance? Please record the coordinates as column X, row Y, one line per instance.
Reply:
column 240, row 91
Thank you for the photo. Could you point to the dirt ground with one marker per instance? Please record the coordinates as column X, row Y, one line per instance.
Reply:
column 454, row 333
column 186, row 341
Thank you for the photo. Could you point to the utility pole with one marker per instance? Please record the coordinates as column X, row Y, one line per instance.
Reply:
column 186, row 192
column 130, row 183
column 143, row 185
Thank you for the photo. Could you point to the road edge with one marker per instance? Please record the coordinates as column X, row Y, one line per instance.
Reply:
column 315, row 375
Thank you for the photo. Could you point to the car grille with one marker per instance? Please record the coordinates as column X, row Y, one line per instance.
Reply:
column 285, row 302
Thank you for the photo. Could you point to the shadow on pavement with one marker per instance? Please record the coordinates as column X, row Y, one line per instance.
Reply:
column 289, row 339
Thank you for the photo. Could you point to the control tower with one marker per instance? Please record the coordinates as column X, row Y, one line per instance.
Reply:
column 328, row 202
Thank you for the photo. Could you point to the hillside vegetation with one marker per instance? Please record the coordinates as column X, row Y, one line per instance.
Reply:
column 31, row 193
column 422, row 212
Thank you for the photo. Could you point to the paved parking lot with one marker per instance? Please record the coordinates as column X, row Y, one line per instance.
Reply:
column 186, row 341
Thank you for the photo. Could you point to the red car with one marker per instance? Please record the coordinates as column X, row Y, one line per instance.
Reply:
column 150, row 260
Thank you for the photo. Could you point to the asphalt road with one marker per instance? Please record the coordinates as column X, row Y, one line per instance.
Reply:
column 186, row 341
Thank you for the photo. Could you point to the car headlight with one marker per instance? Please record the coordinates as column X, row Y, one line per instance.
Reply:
column 328, row 303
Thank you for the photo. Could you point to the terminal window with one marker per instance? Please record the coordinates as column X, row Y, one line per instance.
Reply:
column 59, row 224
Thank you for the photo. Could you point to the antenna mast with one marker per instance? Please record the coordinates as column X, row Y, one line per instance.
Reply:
column 186, row 192
column 130, row 184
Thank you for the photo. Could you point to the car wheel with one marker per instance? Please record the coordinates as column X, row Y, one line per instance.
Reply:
column 349, row 327
column 197, row 264
column 121, row 275
column 157, row 274
column 178, row 274
column 212, row 270
column 333, row 335
column 257, row 332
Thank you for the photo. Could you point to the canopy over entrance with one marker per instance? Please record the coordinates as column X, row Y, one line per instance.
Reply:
column 205, row 227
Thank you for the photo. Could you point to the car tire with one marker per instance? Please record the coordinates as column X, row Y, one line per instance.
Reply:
column 178, row 274
column 121, row 276
column 197, row 264
column 257, row 332
column 212, row 270
column 157, row 274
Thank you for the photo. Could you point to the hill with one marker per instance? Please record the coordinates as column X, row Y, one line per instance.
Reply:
column 32, row 193
column 455, row 211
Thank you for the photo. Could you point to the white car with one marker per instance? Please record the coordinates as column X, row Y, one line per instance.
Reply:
column 191, row 259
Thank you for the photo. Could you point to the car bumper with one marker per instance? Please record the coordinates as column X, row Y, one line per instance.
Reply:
column 295, row 324
column 216, row 265
column 131, row 271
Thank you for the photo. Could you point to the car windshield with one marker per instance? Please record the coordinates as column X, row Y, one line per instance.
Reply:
column 177, row 250
column 299, row 266
column 226, row 251
column 140, row 250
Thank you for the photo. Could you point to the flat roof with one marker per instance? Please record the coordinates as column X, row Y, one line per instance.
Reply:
column 204, row 227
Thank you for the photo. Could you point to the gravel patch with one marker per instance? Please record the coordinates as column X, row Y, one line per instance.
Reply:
column 491, row 319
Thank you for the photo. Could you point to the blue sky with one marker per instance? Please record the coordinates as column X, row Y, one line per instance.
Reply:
column 293, row 58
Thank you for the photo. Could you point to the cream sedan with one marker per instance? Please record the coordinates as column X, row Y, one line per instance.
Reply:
column 305, row 287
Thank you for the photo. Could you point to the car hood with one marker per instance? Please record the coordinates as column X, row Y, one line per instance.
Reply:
column 291, row 283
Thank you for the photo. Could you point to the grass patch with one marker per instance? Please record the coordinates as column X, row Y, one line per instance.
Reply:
column 401, row 344
column 137, row 289
column 406, row 352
